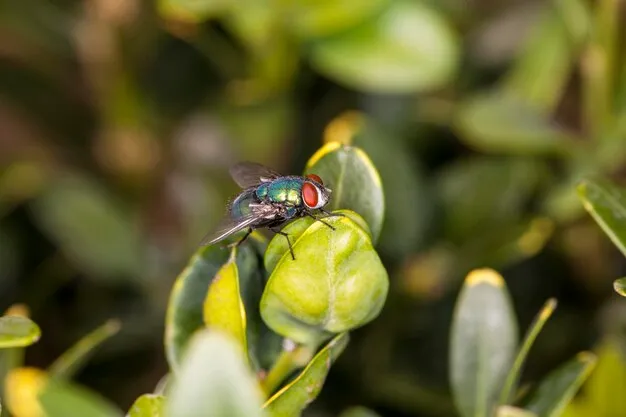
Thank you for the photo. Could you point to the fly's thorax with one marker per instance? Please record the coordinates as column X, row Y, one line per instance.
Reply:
column 283, row 191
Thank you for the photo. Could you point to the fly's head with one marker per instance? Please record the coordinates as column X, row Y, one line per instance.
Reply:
column 314, row 194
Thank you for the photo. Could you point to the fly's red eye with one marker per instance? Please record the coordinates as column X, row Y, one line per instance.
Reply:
column 309, row 194
column 315, row 178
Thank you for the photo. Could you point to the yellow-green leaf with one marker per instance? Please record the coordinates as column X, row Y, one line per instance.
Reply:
column 148, row 405
column 295, row 396
column 619, row 285
column 354, row 182
column 223, row 307
column 483, row 343
column 214, row 380
column 18, row 331
column 510, row 385
column 336, row 283
column 509, row 411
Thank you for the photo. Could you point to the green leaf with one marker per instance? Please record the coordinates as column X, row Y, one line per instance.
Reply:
column 354, row 182
column 61, row 398
column 223, row 307
column 18, row 331
column 471, row 209
column 619, row 285
column 71, row 360
column 407, row 48
column 312, row 19
column 560, row 386
column 607, row 205
column 336, row 283
column 303, row 389
column 186, row 305
column 148, row 405
column 541, row 73
column 510, row 385
column 483, row 341
column 192, row 10
column 499, row 123
column 602, row 394
column 91, row 228
column 358, row 412
column 277, row 248
column 213, row 380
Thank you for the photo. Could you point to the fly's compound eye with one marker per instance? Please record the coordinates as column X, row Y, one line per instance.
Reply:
column 315, row 178
column 310, row 195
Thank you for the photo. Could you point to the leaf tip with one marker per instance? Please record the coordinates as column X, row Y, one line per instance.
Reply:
column 586, row 357
column 321, row 152
column 548, row 309
column 619, row 285
column 21, row 310
column 484, row 276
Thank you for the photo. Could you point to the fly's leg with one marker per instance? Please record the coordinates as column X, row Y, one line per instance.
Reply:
column 280, row 232
column 320, row 220
column 240, row 241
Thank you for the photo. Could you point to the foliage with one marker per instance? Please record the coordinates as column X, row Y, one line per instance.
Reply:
column 455, row 136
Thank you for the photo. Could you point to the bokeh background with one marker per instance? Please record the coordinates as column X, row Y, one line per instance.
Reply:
column 119, row 119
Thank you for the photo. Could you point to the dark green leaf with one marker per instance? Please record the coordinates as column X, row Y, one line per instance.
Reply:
column 499, row 123
column 543, row 70
column 93, row 229
column 18, row 331
column 295, row 396
column 148, row 405
column 406, row 48
column 336, row 283
column 214, row 380
column 66, row 365
column 483, row 342
column 358, row 412
column 185, row 308
column 559, row 387
column 354, row 182
column 607, row 205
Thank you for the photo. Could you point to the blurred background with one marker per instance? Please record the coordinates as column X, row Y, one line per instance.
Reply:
column 119, row 119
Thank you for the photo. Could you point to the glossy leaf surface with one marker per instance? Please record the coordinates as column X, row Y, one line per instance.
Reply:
column 354, row 181
column 336, row 283
column 214, row 377
column 483, row 342
column 295, row 396
column 18, row 331
column 408, row 47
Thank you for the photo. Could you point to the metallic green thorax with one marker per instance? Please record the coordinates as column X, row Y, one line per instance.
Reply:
column 286, row 190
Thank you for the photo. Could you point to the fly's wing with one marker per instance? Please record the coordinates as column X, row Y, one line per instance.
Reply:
column 250, row 174
column 229, row 226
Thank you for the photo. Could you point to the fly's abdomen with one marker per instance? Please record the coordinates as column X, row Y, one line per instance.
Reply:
column 240, row 207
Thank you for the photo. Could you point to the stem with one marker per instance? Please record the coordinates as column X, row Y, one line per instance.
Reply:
column 288, row 361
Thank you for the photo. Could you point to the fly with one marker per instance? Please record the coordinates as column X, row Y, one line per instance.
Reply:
column 269, row 200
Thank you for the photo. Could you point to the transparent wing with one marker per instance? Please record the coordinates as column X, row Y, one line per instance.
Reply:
column 249, row 174
column 227, row 227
